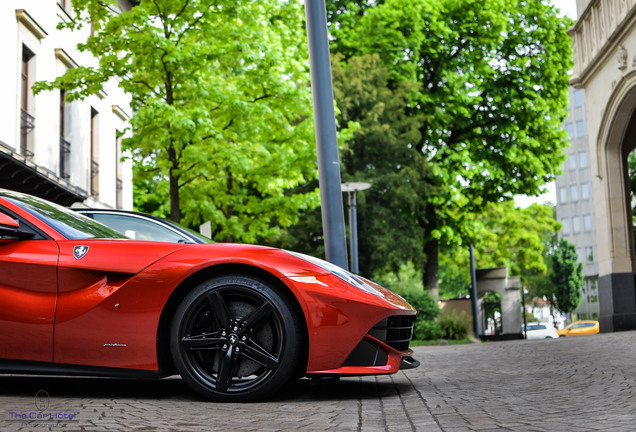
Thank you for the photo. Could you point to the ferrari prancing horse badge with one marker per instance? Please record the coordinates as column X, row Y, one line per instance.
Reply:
column 80, row 251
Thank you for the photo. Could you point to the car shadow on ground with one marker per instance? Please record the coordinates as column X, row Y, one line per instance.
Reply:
column 173, row 388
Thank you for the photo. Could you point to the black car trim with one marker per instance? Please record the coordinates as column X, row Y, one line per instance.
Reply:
column 44, row 368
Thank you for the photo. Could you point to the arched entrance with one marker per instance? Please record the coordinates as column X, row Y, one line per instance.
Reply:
column 505, row 312
column 604, row 39
column 617, row 264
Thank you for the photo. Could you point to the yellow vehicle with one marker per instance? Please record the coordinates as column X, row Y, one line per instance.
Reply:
column 579, row 328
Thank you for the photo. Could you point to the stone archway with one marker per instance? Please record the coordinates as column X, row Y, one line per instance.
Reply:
column 616, row 138
column 604, row 38
column 496, row 280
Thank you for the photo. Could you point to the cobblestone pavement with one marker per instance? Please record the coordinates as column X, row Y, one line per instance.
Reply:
column 574, row 384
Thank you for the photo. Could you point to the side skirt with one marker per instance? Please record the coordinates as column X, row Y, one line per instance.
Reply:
column 38, row 368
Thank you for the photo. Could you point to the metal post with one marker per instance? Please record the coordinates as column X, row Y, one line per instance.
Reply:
column 473, row 278
column 326, row 139
column 353, row 232
column 525, row 319
column 352, row 189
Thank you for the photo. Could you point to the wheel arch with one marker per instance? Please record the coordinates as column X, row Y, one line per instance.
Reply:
column 164, row 357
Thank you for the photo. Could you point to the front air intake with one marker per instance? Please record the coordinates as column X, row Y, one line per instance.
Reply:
column 395, row 331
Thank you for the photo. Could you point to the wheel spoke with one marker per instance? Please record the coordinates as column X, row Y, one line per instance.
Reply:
column 220, row 311
column 252, row 320
column 226, row 368
column 201, row 342
column 255, row 352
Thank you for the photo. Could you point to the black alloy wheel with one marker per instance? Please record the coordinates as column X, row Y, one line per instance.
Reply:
column 235, row 339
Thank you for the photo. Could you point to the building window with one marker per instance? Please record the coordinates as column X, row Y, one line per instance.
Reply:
column 589, row 254
column 571, row 162
column 566, row 226
column 27, row 119
column 94, row 136
column 585, row 191
column 563, row 194
column 580, row 129
column 65, row 145
column 579, row 255
column 578, row 97
column 569, row 127
column 587, row 222
column 574, row 193
column 576, row 224
column 119, row 183
column 583, row 159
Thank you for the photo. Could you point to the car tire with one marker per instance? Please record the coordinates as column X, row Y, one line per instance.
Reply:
column 235, row 339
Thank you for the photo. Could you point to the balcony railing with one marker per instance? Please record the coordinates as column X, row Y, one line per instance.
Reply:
column 65, row 158
column 120, row 193
column 27, row 123
column 94, row 178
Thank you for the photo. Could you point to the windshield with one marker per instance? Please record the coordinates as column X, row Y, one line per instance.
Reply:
column 71, row 225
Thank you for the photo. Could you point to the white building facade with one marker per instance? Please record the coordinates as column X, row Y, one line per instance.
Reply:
column 575, row 203
column 67, row 152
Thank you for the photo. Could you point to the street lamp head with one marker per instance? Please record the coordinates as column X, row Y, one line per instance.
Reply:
column 355, row 186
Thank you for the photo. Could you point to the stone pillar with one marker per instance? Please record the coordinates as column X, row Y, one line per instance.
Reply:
column 497, row 280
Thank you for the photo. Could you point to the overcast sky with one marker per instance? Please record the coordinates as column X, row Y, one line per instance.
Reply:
column 568, row 7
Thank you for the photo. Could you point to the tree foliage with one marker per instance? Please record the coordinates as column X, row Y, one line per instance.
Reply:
column 505, row 236
column 561, row 285
column 380, row 152
column 566, row 277
column 487, row 82
column 222, row 125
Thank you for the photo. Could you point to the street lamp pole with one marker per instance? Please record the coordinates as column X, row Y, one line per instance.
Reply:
column 326, row 139
column 352, row 189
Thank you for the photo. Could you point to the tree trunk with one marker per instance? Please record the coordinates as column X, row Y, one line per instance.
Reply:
column 175, row 206
column 431, row 268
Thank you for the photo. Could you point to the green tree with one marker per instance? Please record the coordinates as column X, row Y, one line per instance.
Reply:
column 505, row 235
column 378, row 152
column 566, row 277
column 631, row 167
column 222, row 125
column 488, row 84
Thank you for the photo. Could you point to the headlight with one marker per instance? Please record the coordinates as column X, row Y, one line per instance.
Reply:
column 346, row 276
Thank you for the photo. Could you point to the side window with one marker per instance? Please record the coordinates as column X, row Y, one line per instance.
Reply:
column 139, row 228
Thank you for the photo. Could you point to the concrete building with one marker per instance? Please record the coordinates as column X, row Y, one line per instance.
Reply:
column 575, row 203
column 67, row 152
column 604, row 39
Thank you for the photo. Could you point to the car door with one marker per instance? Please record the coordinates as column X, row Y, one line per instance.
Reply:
column 28, row 292
column 578, row 329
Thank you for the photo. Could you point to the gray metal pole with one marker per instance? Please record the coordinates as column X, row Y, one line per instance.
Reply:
column 353, row 232
column 326, row 140
column 473, row 295
column 525, row 319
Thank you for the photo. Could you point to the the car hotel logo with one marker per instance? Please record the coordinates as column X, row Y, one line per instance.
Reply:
column 80, row 251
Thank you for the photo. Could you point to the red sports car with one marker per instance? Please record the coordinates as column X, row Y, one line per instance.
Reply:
column 235, row 321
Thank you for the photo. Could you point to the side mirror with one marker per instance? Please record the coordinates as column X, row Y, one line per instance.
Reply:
column 11, row 227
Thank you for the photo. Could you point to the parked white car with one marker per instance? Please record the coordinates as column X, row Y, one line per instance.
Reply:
column 541, row 331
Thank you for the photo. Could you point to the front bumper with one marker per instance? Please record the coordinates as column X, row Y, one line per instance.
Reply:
column 383, row 350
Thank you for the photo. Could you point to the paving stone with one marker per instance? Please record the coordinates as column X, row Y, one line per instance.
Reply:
column 582, row 384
